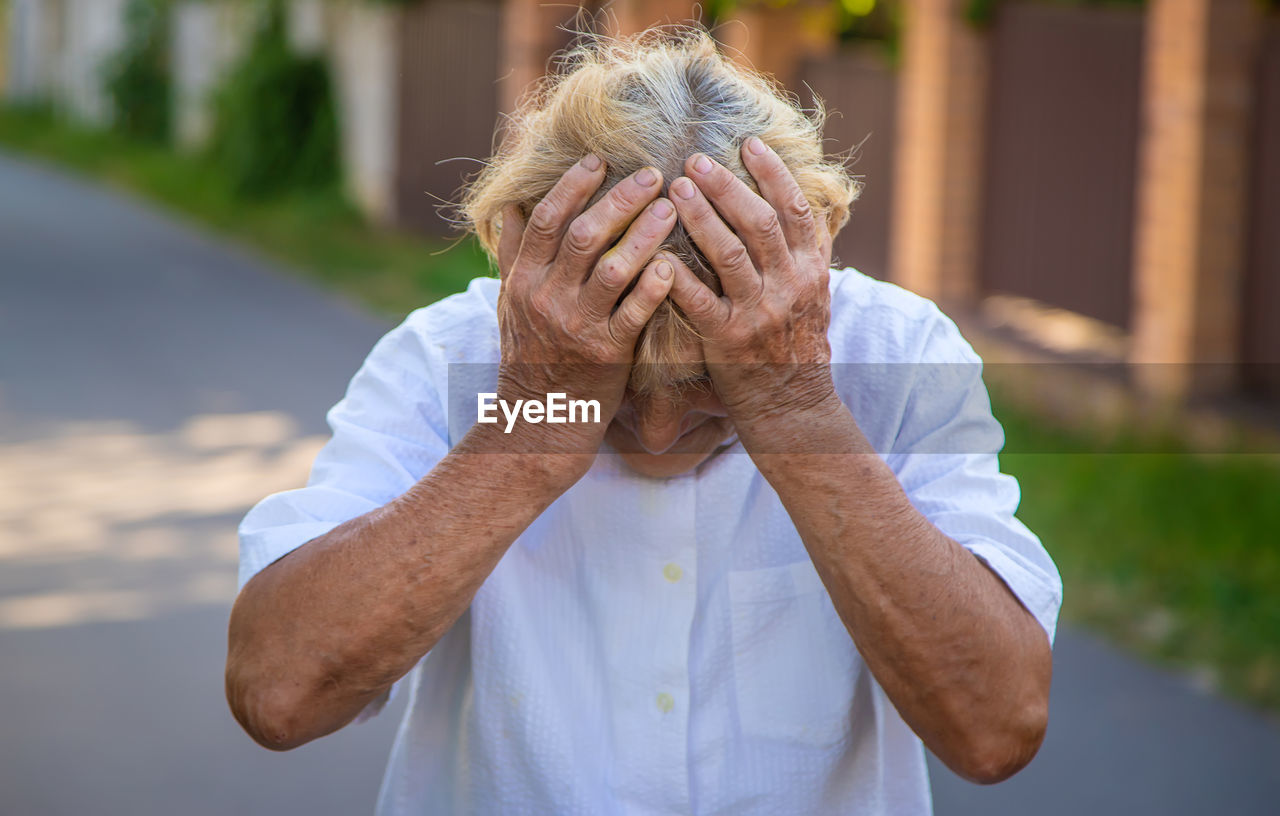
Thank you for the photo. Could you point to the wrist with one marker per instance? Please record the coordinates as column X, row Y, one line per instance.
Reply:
column 766, row 394
column 818, row 424
column 553, row 457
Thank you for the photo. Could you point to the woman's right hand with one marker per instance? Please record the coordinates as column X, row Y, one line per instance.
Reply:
column 564, row 325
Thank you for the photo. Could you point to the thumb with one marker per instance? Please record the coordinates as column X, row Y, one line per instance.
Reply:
column 511, row 232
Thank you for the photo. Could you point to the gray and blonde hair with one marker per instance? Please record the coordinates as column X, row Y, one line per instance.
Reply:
column 653, row 100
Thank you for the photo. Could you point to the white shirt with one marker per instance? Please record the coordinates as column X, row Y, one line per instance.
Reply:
column 664, row 646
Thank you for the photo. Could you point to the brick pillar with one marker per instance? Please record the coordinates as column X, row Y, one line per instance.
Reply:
column 529, row 38
column 1192, row 193
column 939, row 171
column 624, row 17
column 778, row 40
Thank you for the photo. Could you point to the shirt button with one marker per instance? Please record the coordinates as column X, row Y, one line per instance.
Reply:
column 672, row 572
column 665, row 702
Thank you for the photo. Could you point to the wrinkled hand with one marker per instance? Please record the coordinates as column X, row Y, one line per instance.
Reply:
column 765, row 339
column 561, row 324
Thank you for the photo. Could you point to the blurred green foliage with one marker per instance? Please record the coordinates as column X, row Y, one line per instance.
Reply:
column 883, row 19
column 136, row 78
column 276, row 125
column 983, row 12
column 1169, row 553
column 854, row 19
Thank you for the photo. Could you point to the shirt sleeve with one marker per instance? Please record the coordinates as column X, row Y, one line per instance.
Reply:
column 946, row 458
column 389, row 430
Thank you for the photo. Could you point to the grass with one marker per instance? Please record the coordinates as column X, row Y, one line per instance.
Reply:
column 317, row 233
column 1171, row 554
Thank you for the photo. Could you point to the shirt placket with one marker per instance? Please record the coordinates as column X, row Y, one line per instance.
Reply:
column 661, row 691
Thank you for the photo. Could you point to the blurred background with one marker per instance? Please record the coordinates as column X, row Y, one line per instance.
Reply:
column 211, row 209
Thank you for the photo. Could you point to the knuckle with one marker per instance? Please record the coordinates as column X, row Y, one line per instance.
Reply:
column 612, row 272
column 720, row 180
column 625, row 197
column 653, row 227
column 514, row 294
column 580, row 238
column 543, row 219
column 798, row 208
column 765, row 221
column 703, row 302
column 624, row 200
column 574, row 326
column 627, row 320
column 772, row 312
column 735, row 255
column 541, row 302
column 695, row 217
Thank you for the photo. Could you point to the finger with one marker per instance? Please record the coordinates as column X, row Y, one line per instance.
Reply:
column 825, row 241
column 553, row 214
column 640, row 304
column 512, row 231
column 593, row 231
column 620, row 265
column 753, row 218
column 780, row 189
column 704, row 309
column 727, row 254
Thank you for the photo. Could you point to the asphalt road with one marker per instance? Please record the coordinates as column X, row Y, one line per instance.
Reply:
column 154, row 383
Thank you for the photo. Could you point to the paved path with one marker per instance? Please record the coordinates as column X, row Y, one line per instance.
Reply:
column 153, row 385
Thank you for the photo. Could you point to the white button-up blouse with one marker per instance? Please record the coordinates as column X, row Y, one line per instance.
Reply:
column 663, row 646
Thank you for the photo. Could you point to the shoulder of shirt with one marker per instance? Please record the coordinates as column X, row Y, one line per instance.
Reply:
column 463, row 327
column 875, row 321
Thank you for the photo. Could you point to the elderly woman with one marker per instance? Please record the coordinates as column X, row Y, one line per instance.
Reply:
column 781, row 557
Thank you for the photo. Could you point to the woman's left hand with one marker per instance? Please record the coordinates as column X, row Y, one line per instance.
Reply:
column 765, row 339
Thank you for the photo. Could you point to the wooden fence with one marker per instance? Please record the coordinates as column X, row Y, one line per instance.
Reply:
column 1062, row 125
column 448, row 104
column 1261, row 314
column 1061, row 159
column 860, row 90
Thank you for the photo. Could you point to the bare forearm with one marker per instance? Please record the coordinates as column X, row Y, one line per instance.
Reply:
column 966, row 666
column 322, row 632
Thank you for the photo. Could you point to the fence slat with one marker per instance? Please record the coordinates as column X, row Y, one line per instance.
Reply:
column 1062, row 157
column 1261, row 335
column 448, row 104
column 860, row 89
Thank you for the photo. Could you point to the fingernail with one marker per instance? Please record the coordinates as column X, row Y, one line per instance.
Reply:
column 756, row 146
column 702, row 164
column 662, row 208
column 591, row 161
column 663, row 270
column 683, row 188
column 646, row 177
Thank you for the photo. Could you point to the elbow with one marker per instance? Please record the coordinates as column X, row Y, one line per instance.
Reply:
column 275, row 737
column 267, row 701
column 1002, row 743
column 270, row 709
column 267, row 711
column 1000, row 752
column 264, row 716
